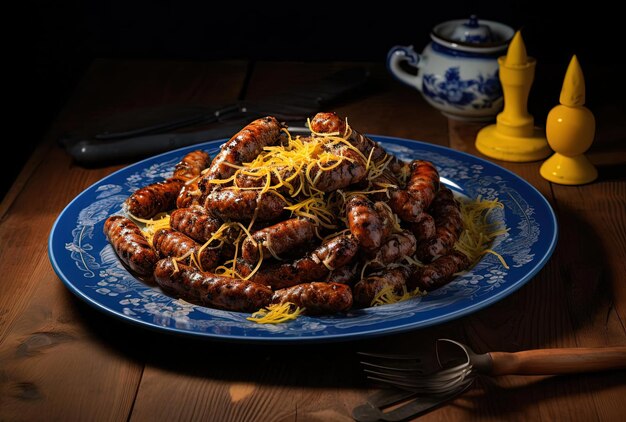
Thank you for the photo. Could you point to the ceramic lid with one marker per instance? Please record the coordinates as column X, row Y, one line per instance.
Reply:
column 473, row 35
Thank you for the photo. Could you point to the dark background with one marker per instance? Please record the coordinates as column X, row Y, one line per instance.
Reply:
column 64, row 37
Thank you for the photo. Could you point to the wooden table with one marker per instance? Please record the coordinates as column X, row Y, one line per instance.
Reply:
column 62, row 360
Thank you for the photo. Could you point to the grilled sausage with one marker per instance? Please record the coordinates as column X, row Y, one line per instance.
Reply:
column 420, row 190
column 189, row 194
column 365, row 291
column 439, row 272
column 196, row 222
column 334, row 253
column 324, row 122
column 278, row 239
column 424, row 229
column 150, row 200
column 394, row 249
column 240, row 205
column 343, row 275
column 317, row 298
column 384, row 181
column 365, row 222
column 191, row 165
column 241, row 148
column 331, row 122
column 315, row 266
column 170, row 243
column 130, row 245
column 350, row 170
column 207, row 289
column 277, row 276
column 448, row 226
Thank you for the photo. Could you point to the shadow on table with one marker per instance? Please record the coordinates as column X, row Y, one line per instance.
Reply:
column 531, row 392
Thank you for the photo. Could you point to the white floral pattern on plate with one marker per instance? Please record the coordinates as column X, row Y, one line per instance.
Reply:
column 89, row 267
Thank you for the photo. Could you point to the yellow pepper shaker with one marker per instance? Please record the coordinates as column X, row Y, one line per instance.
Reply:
column 570, row 128
column 514, row 137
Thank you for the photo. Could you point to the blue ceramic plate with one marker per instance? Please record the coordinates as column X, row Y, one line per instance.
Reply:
column 87, row 265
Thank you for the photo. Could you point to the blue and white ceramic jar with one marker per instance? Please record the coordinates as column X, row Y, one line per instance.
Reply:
column 457, row 72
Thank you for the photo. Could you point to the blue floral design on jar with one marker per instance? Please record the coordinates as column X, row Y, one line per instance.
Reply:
column 450, row 89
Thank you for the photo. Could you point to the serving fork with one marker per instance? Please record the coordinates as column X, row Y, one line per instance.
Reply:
column 413, row 378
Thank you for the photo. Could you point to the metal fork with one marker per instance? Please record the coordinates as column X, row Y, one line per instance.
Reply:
column 458, row 365
column 458, row 362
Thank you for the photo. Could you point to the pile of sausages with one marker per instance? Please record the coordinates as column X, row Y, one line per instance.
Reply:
column 391, row 227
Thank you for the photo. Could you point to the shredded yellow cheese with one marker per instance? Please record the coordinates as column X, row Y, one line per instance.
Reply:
column 387, row 295
column 276, row 313
column 151, row 226
column 478, row 232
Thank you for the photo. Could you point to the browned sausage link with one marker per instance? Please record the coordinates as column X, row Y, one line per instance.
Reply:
column 241, row 148
column 130, row 245
column 336, row 253
column 207, row 289
column 277, row 276
column 170, row 243
column 189, row 195
column 191, row 165
column 150, row 200
column 384, row 179
column 400, row 169
column 343, row 275
column 350, row 170
column 324, row 122
column 394, row 249
column 387, row 217
column 196, row 222
column 448, row 222
column 439, row 272
column 317, row 298
column 424, row 229
column 333, row 253
column 279, row 238
column 243, row 180
column 366, row 290
column 365, row 222
column 240, row 205
column 419, row 193
column 331, row 122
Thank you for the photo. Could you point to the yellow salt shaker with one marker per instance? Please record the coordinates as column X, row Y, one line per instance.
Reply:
column 514, row 137
column 570, row 129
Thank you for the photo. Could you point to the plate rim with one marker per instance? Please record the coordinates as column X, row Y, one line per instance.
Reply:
column 337, row 337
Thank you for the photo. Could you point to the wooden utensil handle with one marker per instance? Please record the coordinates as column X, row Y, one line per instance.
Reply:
column 559, row 361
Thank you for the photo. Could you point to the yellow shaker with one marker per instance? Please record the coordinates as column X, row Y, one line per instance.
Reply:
column 514, row 137
column 570, row 128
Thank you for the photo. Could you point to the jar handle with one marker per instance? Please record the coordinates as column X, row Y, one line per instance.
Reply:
column 399, row 54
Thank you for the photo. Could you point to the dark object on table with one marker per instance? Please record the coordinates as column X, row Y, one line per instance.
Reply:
column 143, row 133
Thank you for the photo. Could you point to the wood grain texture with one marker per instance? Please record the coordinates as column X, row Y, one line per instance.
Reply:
column 54, row 368
column 62, row 359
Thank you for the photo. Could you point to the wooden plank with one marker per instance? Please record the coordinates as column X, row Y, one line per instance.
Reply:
column 54, row 365
column 78, row 376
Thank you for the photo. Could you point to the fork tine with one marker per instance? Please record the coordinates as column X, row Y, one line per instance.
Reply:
column 425, row 389
column 408, row 373
column 387, row 356
column 436, row 382
column 398, row 366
